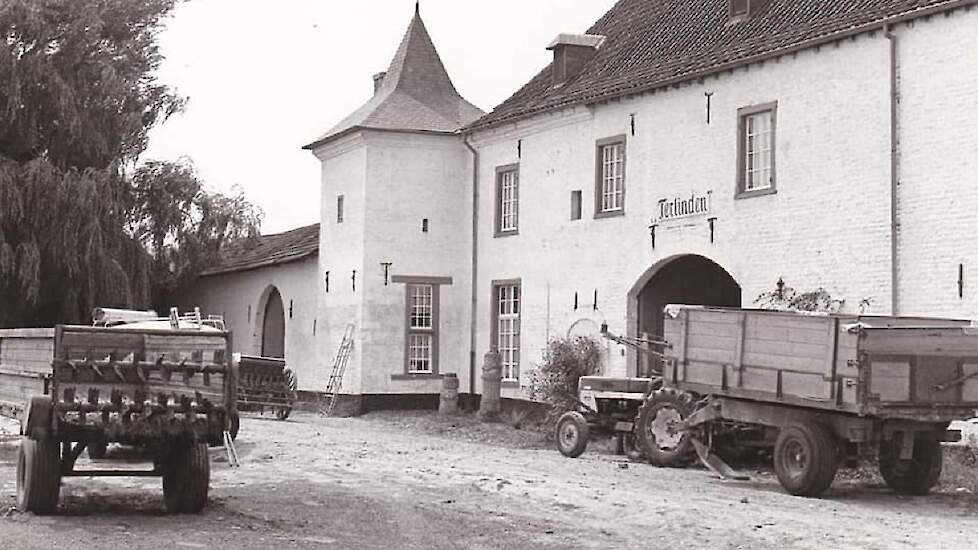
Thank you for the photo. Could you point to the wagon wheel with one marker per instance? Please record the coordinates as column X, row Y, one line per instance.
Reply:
column 293, row 385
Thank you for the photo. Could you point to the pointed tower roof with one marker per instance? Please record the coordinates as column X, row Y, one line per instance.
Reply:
column 415, row 95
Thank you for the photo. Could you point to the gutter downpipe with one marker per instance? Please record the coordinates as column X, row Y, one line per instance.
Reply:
column 894, row 166
column 475, row 262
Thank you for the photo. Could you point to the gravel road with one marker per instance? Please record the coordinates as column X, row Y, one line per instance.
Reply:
column 381, row 482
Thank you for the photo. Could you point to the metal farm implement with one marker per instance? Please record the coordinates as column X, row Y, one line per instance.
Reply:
column 168, row 391
column 264, row 383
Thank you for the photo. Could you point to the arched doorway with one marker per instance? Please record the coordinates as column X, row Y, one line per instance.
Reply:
column 273, row 326
column 687, row 279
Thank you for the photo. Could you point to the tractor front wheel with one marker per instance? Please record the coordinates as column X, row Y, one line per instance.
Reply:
column 572, row 434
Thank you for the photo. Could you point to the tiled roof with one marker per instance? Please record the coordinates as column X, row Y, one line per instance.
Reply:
column 651, row 43
column 268, row 250
column 416, row 95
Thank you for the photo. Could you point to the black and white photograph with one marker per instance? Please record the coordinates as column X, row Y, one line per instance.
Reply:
column 447, row 274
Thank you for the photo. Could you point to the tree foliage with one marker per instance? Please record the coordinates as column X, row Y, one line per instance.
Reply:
column 78, row 96
column 783, row 297
column 565, row 361
column 182, row 224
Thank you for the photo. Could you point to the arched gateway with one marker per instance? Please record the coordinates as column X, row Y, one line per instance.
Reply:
column 685, row 279
column 273, row 325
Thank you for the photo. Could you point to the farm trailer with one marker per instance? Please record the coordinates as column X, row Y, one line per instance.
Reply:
column 819, row 389
column 816, row 389
column 169, row 391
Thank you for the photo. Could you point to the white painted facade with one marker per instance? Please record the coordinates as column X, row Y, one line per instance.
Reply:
column 830, row 223
column 241, row 298
column 391, row 183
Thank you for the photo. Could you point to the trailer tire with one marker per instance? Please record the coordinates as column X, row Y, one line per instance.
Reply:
column 663, row 408
column 805, row 459
column 186, row 479
column 571, row 434
column 97, row 449
column 293, row 385
column 38, row 475
column 631, row 447
column 234, row 425
column 916, row 476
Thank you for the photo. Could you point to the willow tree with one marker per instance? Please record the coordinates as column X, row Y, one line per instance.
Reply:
column 78, row 96
column 182, row 224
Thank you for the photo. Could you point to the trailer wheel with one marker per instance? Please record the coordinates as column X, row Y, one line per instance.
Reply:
column 38, row 475
column 293, row 385
column 572, row 434
column 186, row 479
column 805, row 459
column 97, row 449
column 915, row 476
column 235, row 425
column 656, row 433
column 630, row 447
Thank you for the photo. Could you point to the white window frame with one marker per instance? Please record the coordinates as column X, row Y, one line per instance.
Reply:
column 507, row 308
column 756, row 150
column 422, row 329
column 610, row 177
column 507, row 200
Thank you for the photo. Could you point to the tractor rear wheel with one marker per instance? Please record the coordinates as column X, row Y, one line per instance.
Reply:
column 38, row 475
column 186, row 478
column 915, row 476
column 656, row 433
column 572, row 434
column 805, row 459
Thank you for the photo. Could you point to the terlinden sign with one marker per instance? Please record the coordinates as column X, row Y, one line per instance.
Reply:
column 695, row 205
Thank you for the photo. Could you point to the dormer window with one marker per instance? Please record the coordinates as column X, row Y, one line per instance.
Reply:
column 742, row 9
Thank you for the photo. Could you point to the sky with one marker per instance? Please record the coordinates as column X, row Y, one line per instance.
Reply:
column 265, row 77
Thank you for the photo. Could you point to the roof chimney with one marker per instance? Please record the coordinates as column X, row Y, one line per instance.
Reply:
column 379, row 80
column 571, row 53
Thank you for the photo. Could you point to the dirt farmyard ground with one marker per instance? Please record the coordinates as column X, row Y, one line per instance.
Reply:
column 417, row 481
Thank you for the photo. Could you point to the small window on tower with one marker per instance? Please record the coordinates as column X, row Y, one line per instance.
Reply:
column 575, row 205
column 339, row 209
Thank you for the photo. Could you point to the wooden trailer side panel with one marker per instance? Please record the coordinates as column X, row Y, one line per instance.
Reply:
column 764, row 355
column 907, row 367
column 25, row 366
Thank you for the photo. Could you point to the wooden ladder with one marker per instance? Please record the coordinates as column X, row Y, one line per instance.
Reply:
column 339, row 368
